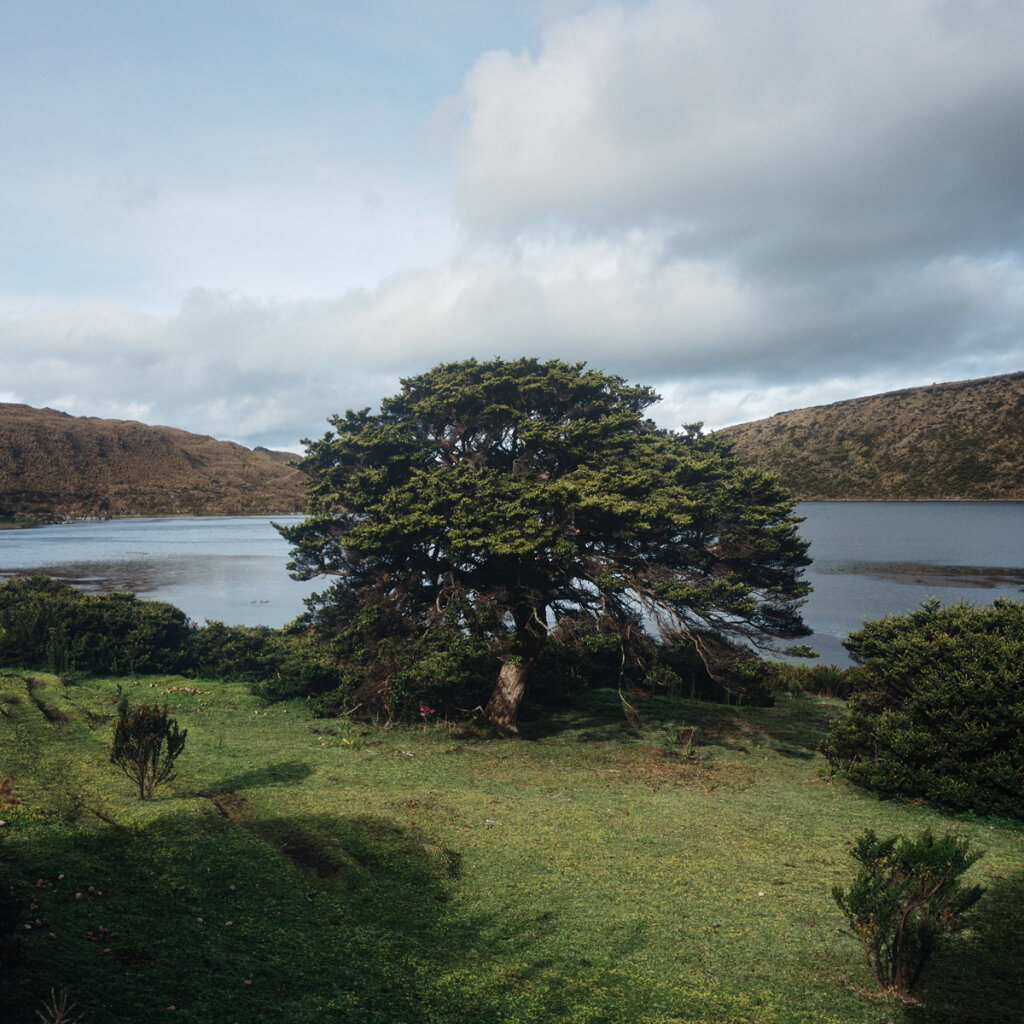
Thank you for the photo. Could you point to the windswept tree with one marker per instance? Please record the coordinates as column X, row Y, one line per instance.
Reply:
column 527, row 495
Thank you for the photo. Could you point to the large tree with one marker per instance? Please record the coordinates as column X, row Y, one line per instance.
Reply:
column 530, row 493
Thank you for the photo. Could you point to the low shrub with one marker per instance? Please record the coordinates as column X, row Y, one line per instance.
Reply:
column 941, row 711
column 905, row 895
column 821, row 680
column 707, row 668
column 277, row 664
column 147, row 742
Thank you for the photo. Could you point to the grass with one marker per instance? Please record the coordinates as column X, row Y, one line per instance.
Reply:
column 309, row 870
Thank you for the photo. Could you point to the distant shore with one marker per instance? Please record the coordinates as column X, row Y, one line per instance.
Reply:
column 31, row 522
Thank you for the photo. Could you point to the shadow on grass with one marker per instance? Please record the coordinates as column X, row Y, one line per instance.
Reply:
column 793, row 727
column 596, row 715
column 978, row 978
column 292, row 918
column 272, row 774
column 300, row 918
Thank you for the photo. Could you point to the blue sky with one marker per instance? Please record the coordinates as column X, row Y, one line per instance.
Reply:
column 240, row 217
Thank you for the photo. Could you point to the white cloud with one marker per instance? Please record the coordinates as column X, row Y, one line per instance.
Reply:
column 750, row 205
column 719, row 349
column 750, row 122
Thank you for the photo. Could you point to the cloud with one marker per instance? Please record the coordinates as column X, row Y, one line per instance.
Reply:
column 752, row 206
column 719, row 350
column 758, row 129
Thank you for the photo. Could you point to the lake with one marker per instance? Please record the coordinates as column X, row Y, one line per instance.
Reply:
column 227, row 568
column 870, row 558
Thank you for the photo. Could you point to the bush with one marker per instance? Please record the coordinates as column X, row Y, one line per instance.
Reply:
column 706, row 668
column 905, row 895
column 823, row 680
column 941, row 714
column 140, row 735
column 46, row 623
column 276, row 663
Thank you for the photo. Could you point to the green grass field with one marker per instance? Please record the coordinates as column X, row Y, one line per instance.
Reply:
column 301, row 869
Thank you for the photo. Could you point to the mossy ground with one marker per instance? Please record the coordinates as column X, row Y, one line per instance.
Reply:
column 307, row 870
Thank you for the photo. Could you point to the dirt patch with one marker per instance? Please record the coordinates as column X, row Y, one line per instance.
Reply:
column 229, row 805
column 658, row 766
column 424, row 809
column 301, row 847
column 51, row 714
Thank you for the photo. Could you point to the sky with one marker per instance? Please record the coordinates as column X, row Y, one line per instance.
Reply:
column 240, row 217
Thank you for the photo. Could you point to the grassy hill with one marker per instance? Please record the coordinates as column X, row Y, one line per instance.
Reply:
column 56, row 465
column 309, row 870
column 959, row 440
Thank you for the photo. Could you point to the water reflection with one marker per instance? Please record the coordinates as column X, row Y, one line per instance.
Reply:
column 918, row 574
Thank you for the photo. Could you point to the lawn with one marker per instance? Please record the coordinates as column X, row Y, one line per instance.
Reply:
column 302, row 869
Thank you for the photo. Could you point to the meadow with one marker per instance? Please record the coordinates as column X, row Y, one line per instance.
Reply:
column 302, row 869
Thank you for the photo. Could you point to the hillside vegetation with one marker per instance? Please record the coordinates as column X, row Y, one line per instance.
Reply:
column 56, row 465
column 959, row 440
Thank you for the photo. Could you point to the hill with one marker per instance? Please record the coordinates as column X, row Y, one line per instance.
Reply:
column 55, row 465
column 960, row 440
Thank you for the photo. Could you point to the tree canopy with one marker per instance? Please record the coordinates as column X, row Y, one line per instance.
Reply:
column 522, row 497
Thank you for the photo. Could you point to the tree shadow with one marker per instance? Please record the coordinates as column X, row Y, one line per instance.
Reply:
column 793, row 727
column 978, row 977
column 225, row 920
column 282, row 772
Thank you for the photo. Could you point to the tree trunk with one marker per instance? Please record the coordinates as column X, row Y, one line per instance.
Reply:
column 503, row 708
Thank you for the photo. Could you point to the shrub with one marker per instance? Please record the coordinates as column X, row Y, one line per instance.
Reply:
column 31, row 607
column 46, row 623
column 139, row 750
column 941, row 712
column 703, row 667
column 905, row 895
column 823, row 680
column 277, row 664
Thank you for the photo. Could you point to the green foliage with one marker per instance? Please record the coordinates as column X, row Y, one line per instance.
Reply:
column 704, row 668
column 378, row 670
column 823, row 680
column 940, row 714
column 277, row 664
column 46, row 623
column 59, row 661
column 147, row 742
column 905, row 895
column 512, row 496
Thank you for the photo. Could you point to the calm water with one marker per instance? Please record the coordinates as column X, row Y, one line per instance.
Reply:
column 872, row 558
column 869, row 558
column 211, row 567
